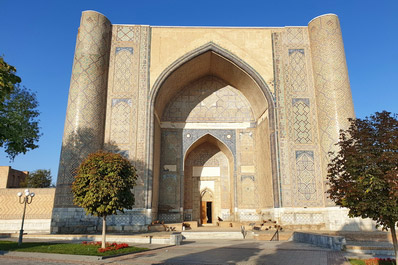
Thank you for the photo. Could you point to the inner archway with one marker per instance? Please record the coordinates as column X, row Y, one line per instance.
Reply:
column 208, row 181
column 210, row 94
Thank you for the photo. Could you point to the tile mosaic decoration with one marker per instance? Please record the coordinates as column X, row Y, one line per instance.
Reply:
column 120, row 120
column 83, row 131
column 296, row 116
column 127, row 33
column 306, row 174
column 297, row 73
column 295, row 36
column 333, row 93
column 123, row 69
column 110, row 105
column 249, row 192
column 209, row 100
column 143, row 90
column 221, row 135
column 301, row 120
column 125, row 125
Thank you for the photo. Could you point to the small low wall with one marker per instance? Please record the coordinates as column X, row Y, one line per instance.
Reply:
column 38, row 213
column 30, row 226
column 325, row 241
column 213, row 235
column 172, row 239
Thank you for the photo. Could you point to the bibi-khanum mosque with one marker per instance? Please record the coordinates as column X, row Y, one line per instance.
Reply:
column 220, row 122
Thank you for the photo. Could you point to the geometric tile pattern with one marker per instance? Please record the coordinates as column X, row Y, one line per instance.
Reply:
column 297, row 76
column 138, row 219
column 320, row 77
column 333, row 93
column 225, row 136
column 306, row 174
column 170, row 191
column 86, row 104
column 249, row 193
column 208, row 100
column 169, row 182
column 126, row 218
column 226, row 216
column 143, row 90
column 301, row 123
column 124, row 73
column 287, row 218
column 120, row 121
column 169, row 218
column 278, row 39
column 296, row 116
column 206, row 156
column 127, row 98
column 294, row 36
column 245, row 217
column 127, row 33
column 302, row 218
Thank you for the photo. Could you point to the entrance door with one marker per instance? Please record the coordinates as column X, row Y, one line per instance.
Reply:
column 206, row 212
column 209, row 212
column 203, row 215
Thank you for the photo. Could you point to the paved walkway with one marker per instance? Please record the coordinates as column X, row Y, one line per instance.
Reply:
column 200, row 252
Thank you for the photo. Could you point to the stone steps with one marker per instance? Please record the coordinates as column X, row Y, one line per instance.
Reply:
column 370, row 247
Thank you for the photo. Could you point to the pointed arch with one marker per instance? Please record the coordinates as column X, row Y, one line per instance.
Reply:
column 210, row 59
column 209, row 176
column 206, row 191
column 222, row 55
column 214, row 140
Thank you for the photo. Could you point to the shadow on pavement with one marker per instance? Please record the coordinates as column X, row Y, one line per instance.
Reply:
column 235, row 253
column 252, row 252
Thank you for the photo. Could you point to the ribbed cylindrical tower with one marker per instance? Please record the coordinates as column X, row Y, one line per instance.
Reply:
column 332, row 85
column 85, row 116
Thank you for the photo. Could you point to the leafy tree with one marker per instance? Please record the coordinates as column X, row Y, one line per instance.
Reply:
column 363, row 175
column 103, row 185
column 40, row 178
column 8, row 79
column 19, row 127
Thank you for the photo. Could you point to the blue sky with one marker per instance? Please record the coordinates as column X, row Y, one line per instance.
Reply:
column 38, row 38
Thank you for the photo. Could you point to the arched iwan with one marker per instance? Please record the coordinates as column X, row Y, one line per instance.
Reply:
column 210, row 60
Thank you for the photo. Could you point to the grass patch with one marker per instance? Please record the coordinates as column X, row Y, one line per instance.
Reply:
column 373, row 261
column 356, row 262
column 62, row 248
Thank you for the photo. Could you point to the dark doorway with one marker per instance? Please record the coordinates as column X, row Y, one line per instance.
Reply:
column 208, row 212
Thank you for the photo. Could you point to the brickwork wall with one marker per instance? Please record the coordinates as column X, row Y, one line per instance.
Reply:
column 11, row 178
column 38, row 213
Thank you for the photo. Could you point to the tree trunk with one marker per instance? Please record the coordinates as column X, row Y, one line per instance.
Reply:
column 103, row 231
column 394, row 241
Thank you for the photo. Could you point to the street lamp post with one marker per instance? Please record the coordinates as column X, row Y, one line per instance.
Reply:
column 27, row 199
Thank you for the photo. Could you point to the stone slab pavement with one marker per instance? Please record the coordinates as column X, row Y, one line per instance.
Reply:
column 200, row 252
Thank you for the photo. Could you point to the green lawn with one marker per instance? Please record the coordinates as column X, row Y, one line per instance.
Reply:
column 362, row 262
column 357, row 262
column 75, row 249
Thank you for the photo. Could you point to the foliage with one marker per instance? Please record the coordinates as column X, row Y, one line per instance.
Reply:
column 73, row 249
column 373, row 261
column 40, row 178
column 103, row 184
column 363, row 174
column 8, row 79
column 19, row 127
